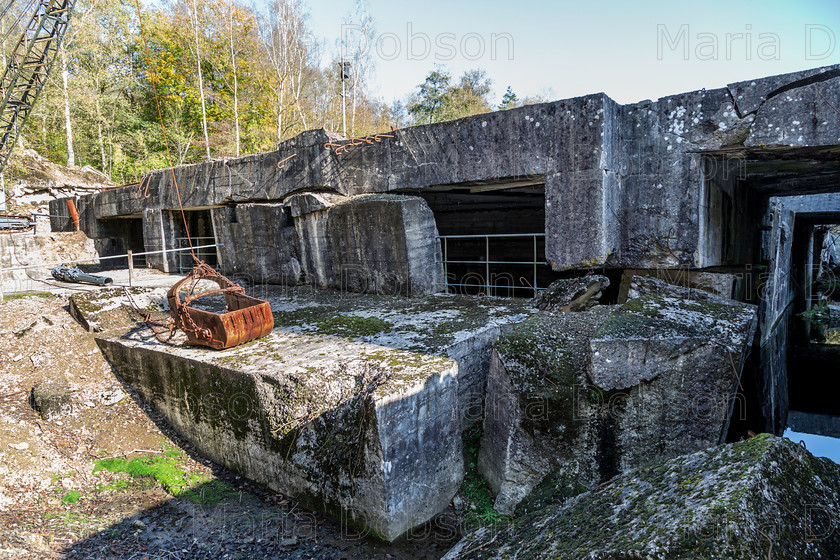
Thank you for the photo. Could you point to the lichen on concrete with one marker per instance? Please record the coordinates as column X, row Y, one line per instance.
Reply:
column 737, row 501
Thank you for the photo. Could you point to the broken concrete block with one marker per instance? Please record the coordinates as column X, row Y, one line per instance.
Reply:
column 534, row 417
column 366, row 434
column 575, row 390
column 385, row 244
column 572, row 294
column 665, row 332
column 258, row 242
column 718, row 283
column 736, row 501
column 353, row 405
column 51, row 398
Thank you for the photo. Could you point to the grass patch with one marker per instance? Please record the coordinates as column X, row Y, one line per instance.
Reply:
column 474, row 487
column 21, row 295
column 211, row 493
column 71, row 497
column 168, row 471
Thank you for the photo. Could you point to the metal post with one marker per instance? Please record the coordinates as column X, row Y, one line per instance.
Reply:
column 343, row 94
column 446, row 263
column 487, row 265
column 130, row 267
column 535, row 266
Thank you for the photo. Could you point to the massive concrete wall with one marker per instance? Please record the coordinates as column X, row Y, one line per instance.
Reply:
column 634, row 179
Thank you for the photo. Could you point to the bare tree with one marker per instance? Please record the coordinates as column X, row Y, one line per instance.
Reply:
column 358, row 34
column 287, row 44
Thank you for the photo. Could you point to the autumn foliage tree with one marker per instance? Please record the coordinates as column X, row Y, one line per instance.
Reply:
column 228, row 79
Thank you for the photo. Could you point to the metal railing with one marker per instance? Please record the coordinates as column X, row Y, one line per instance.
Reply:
column 204, row 251
column 129, row 255
column 487, row 284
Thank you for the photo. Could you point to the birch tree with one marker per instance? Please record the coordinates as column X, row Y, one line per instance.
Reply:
column 196, row 24
column 358, row 35
column 287, row 44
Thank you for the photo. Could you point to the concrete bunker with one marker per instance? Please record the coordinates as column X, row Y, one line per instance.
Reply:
column 694, row 188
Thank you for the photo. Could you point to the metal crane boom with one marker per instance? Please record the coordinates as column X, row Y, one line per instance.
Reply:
column 29, row 65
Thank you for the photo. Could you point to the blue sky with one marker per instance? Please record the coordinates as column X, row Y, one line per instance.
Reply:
column 568, row 48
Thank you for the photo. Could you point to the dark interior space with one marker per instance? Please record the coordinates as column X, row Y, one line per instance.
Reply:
column 200, row 226
column 814, row 346
column 741, row 183
column 124, row 234
column 492, row 237
column 746, row 411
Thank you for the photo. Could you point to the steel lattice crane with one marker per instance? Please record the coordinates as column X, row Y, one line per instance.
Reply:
column 29, row 65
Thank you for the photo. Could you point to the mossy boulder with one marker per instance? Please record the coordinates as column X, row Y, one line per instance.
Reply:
column 611, row 389
column 762, row 498
column 537, row 416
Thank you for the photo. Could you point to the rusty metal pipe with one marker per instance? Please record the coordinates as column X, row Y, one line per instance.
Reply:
column 71, row 206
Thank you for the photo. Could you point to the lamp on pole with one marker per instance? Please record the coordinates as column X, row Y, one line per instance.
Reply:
column 344, row 70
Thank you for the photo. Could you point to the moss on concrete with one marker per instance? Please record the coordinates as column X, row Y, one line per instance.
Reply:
column 659, row 315
column 728, row 502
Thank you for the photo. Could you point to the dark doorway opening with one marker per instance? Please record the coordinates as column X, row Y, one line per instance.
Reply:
column 124, row 235
column 492, row 237
column 202, row 236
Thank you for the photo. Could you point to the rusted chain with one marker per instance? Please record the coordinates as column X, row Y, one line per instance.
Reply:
column 356, row 142
column 147, row 319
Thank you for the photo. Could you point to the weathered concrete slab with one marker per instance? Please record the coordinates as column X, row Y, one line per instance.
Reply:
column 781, row 122
column 372, row 244
column 670, row 330
column 598, row 393
column 737, row 501
column 258, row 242
column 749, row 95
column 351, row 405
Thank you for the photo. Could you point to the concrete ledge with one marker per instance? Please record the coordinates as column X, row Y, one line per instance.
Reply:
column 353, row 405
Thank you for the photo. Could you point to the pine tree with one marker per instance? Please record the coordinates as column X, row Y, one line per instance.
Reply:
column 509, row 100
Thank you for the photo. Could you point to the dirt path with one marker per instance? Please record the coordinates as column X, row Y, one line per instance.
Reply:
column 106, row 478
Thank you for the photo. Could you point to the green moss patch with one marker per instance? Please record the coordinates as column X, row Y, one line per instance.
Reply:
column 169, row 471
column 475, row 488
column 351, row 326
column 21, row 295
column 71, row 497
column 668, row 316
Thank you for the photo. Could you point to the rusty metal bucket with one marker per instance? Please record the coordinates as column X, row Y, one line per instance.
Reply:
column 246, row 318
